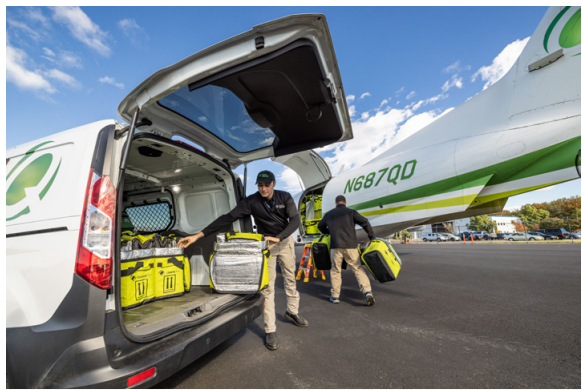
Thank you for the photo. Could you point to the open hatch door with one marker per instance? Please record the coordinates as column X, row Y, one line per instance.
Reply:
column 269, row 92
column 310, row 166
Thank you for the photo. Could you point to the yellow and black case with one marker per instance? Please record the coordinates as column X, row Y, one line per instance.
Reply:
column 382, row 261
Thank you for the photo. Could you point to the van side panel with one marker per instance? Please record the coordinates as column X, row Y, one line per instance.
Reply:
column 46, row 182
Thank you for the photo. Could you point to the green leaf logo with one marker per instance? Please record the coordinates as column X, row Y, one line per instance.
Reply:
column 29, row 177
column 570, row 33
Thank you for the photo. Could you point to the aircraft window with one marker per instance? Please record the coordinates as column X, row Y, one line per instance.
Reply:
column 222, row 113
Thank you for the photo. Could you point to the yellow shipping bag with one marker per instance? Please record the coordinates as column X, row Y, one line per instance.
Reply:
column 320, row 252
column 137, row 282
column 169, row 277
column 234, row 235
column 311, row 226
column 382, row 261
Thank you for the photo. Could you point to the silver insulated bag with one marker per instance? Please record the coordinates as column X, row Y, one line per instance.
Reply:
column 239, row 263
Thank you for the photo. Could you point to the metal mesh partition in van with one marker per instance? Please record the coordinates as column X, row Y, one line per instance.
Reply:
column 151, row 217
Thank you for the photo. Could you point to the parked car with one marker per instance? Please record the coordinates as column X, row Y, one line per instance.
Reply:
column 575, row 235
column 501, row 236
column 522, row 237
column 450, row 237
column 433, row 237
column 481, row 235
column 69, row 195
column 544, row 235
column 561, row 233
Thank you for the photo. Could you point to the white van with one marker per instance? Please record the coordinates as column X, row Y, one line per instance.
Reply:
column 272, row 91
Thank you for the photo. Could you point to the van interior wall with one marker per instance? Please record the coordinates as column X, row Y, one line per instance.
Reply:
column 198, row 189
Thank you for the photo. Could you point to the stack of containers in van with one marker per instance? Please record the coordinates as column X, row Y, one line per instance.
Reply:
column 313, row 213
column 152, row 267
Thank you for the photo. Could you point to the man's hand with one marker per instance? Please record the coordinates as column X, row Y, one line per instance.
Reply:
column 271, row 241
column 187, row 241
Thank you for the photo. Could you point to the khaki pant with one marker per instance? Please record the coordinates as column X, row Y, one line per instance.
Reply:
column 352, row 257
column 285, row 251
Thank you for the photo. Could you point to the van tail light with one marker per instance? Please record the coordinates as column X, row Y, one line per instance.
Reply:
column 95, row 248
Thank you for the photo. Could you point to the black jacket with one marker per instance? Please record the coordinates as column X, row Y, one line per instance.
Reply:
column 276, row 218
column 340, row 222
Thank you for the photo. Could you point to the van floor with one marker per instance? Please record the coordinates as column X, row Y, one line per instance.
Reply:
column 154, row 316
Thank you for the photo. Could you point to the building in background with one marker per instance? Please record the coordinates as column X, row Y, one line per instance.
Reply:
column 503, row 224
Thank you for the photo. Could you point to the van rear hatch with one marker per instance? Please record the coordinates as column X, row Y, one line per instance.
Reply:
column 268, row 92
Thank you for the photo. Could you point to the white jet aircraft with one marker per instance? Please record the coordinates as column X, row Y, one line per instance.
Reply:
column 519, row 135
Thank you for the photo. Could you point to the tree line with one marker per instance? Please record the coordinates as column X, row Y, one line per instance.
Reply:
column 555, row 214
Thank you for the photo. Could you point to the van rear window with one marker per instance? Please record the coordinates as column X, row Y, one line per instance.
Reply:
column 222, row 113
column 152, row 217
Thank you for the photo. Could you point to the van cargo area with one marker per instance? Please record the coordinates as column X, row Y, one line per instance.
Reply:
column 174, row 190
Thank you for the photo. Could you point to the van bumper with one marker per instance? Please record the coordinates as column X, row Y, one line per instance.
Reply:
column 92, row 363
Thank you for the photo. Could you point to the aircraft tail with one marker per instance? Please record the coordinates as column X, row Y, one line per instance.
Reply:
column 548, row 70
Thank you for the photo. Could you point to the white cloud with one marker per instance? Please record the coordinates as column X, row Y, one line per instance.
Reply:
column 82, row 28
column 63, row 59
column 18, row 25
column 267, row 141
column 289, row 181
column 111, row 80
column 501, row 64
column 17, row 72
column 385, row 101
column 64, row 78
column 411, row 95
column 133, row 31
column 48, row 52
column 36, row 15
column 399, row 91
column 350, row 98
column 352, row 110
column 452, row 68
column 375, row 134
column 365, row 94
column 454, row 81
column 456, row 67
column 70, row 60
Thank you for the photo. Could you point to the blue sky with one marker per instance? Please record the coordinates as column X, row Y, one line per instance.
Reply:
column 70, row 66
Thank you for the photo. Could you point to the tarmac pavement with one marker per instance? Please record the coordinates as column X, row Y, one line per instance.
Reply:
column 459, row 316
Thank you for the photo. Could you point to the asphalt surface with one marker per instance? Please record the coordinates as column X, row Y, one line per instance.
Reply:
column 459, row 316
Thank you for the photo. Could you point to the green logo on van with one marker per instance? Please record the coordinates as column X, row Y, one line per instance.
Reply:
column 28, row 178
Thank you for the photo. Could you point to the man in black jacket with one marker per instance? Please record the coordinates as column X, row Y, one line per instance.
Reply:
column 339, row 223
column 276, row 218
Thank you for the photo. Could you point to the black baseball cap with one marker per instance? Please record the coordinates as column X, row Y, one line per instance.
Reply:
column 266, row 177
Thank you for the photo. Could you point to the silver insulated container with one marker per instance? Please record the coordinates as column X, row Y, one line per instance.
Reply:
column 237, row 266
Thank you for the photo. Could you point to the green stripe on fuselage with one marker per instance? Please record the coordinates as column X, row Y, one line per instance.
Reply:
column 437, row 204
column 550, row 159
